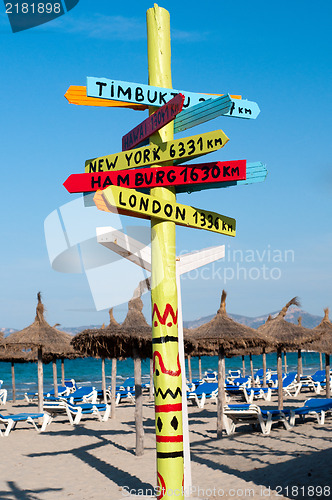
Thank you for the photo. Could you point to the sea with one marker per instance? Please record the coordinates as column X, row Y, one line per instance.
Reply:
column 87, row 371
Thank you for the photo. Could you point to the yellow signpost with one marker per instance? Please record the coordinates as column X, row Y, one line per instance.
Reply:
column 179, row 150
column 130, row 202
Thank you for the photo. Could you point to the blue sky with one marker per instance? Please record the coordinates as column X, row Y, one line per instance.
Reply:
column 277, row 54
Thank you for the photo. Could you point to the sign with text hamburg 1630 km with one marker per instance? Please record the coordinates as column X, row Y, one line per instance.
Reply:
column 130, row 202
column 186, row 175
column 179, row 150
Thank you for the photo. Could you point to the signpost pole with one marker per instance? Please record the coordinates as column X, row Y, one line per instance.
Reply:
column 167, row 372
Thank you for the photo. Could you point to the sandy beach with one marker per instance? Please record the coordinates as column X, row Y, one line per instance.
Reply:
column 96, row 460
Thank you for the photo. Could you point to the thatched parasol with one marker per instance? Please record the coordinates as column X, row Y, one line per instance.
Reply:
column 13, row 355
column 285, row 335
column 223, row 336
column 47, row 340
column 133, row 339
column 324, row 345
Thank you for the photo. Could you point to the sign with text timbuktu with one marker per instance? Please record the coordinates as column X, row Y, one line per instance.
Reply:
column 186, row 175
column 179, row 150
column 130, row 202
column 154, row 122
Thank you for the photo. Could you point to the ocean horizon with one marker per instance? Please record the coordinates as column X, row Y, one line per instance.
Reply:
column 87, row 371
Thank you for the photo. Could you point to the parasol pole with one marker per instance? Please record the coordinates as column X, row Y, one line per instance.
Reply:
column 280, row 387
column 200, row 367
column 103, row 379
column 221, row 391
column 190, row 374
column 151, row 380
column 327, row 375
column 252, row 370
column 113, row 385
column 62, row 372
column 55, row 378
column 13, row 381
column 167, row 371
column 264, row 368
column 40, row 379
column 243, row 366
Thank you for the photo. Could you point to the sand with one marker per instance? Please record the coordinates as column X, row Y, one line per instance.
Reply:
column 96, row 460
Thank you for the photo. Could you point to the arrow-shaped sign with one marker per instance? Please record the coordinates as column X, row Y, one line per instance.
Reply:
column 130, row 202
column 179, row 150
column 188, row 175
column 154, row 122
column 117, row 90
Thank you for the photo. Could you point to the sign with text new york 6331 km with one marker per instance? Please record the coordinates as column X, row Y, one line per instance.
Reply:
column 130, row 202
column 179, row 150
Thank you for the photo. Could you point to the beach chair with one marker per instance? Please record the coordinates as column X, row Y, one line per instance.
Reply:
column 317, row 381
column 87, row 394
column 75, row 412
column 210, row 376
column 3, row 394
column 10, row 421
column 251, row 393
column 70, row 384
column 124, row 394
column 233, row 374
column 239, row 414
column 207, row 390
column 317, row 407
column 30, row 397
column 290, row 385
column 260, row 374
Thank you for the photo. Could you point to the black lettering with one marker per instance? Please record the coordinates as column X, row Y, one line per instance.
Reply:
column 139, row 179
column 155, row 153
column 226, row 171
column 107, row 182
column 146, row 155
column 139, row 97
column 111, row 164
column 218, row 141
column 186, row 104
column 121, row 202
column 100, row 164
column 168, row 209
column 161, row 98
column 123, row 181
column 124, row 92
column 160, row 177
column 240, row 110
column 138, row 157
column 230, row 227
column 232, row 108
column 209, row 143
column 132, row 200
column 144, row 204
column 178, row 213
column 149, row 179
column 171, row 176
column 235, row 171
column 156, row 207
column 93, row 166
column 155, row 96
column 247, row 111
column 101, row 85
column 224, row 226
column 128, row 158
column 96, row 181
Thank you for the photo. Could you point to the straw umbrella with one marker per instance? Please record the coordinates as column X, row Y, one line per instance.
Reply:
column 324, row 345
column 47, row 340
column 131, row 339
column 14, row 355
column 222, row 336
column 285, row 335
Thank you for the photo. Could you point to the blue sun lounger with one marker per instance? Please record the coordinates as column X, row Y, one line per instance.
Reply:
column 240, row 414
column 3, row 394
column 317, row 407
column 207, row 390
column 75, row 412
column 10, row 421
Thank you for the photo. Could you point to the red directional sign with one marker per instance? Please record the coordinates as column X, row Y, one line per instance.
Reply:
column 194, row 174
column 156, row 121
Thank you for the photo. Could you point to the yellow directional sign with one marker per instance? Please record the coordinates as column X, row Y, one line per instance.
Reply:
column 130, row 202
column 179, row 150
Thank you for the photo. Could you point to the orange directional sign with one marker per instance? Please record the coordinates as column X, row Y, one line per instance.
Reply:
column 186, row 175
column 178, row 150
column 130, row 202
